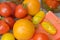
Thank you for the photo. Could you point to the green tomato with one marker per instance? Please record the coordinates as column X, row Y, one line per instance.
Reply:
column 38, row 17
column 8, row 36
column 49, row 28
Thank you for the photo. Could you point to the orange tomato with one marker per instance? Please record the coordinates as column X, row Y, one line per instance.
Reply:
column 23, row 29
column 33, row 6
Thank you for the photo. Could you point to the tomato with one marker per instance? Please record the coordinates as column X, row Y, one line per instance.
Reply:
column 20, row 11
column 38, row 17
column 33, row 6
column 23, row 29
column 40, row 36
column 52, row 3
column 29, row 17
column 8, row 36
column 3, row 27
column 48, row 27
column 13, row 6
column 5, row 10
column 10, row 21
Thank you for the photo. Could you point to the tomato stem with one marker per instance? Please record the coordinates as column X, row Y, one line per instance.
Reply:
column 24, row 5
column 1, row 18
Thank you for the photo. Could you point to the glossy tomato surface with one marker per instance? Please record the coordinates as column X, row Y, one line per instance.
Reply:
column 20, row 11
column 4, row 28
column 40, row 36
column 10, row 21
column 5, row 10
column 13, row 6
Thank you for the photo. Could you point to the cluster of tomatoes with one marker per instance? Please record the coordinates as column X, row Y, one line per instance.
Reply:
column 6, row 21
column 52, row 5
column 26, row 19
column 9, row 11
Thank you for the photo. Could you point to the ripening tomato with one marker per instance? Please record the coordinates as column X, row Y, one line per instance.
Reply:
column 3, row 27
column 40, row 36
column 38, row 17
column 20, row 11
column 7, row 36
column 33, row 6
column 5, row 10
column 52, row 3
column 48, row 27
column 10, row 21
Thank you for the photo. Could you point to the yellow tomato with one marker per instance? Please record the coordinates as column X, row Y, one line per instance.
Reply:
column 38, row 17
column 48, row 27
column 8, row 36
column 23, row 29
column 33, row 6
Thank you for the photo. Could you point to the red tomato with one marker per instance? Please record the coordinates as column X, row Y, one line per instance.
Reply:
column 28, row 17
column 10, row 21
column 3, row 27
column 40, row 36
column 13, row 6
column 5, row 10
column 20, row 11
column 52, row 3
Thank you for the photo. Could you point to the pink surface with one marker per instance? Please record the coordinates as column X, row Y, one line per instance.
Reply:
column 50, row 17
column 55, row 21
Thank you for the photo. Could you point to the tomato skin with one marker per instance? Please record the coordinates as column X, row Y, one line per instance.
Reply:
column 13, row 6
column 7, row 36
column 20, row 11
column 48, row 27
column 40, row 36
column 38, row 17
column 23, row 29
column 52, row 3
column 33, row 6
column 10, row 21
column 3, row 27
column 5, row 10
column 29, row 17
